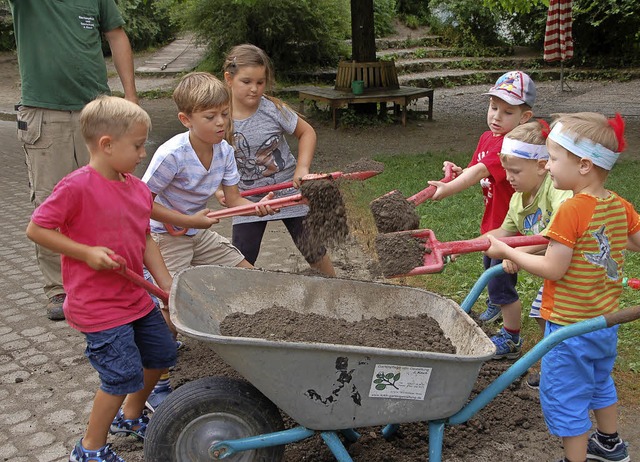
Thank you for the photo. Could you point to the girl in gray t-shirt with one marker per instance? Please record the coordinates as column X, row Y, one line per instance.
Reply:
column 262, row 153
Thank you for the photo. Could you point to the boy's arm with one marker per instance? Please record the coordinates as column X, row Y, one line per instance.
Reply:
column 96, row 257
column 633, row 242
column 155, row 264
column 198, row 220
column 306, row 148
column 466, row 179
column 552, row 265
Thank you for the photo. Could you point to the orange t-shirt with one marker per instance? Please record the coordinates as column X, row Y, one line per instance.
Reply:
column 596, row 229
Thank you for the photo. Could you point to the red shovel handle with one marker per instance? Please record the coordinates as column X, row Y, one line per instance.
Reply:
column 436, row 250
column 427, row 193
column 139, row 280
column 249, row 209
column 312, row 176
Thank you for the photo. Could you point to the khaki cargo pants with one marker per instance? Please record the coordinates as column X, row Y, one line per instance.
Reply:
column 54, row 147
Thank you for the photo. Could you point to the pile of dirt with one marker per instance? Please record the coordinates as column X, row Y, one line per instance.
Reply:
column 421, row 333
column 399, row 253
column 393, row 212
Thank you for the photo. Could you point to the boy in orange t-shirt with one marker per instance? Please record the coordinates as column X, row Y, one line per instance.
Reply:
column 582, row 268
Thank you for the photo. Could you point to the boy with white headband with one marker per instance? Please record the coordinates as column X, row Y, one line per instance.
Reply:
column 510, row 104
column 582, row 268
column 524, row 157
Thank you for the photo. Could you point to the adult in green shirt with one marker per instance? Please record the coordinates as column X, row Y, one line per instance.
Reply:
column 62, row 68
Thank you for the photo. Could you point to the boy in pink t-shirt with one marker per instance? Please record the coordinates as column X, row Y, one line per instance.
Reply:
column 94, row 213
column 510, row 104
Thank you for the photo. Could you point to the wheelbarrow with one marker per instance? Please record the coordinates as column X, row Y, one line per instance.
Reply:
column 218, row 418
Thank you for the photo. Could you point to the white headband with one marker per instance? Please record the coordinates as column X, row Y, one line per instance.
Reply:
column 524, row 150
column 584, row 148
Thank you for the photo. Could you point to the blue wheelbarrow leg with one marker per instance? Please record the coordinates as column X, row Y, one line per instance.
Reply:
column 335, row 445
column 224, row 449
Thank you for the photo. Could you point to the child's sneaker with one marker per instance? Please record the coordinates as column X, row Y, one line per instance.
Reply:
column 533, row 380
column 491, row 314
column 505, row 346
column 596, row 451
column 136, row 427
column 157, row 396
column 104, row 454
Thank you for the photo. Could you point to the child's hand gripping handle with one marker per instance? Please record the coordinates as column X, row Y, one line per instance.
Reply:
column 427, row 193
column 139, row 280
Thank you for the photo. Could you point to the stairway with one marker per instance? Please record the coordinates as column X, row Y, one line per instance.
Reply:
column 424, row 61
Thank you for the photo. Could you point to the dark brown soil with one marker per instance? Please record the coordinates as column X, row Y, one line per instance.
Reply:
column 326, row 222
column 364, row 165
column 399, row 253
column 393, row 212
column 420, row 333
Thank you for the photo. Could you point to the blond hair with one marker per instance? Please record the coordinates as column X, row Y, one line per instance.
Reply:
column 589, row 125
column 531, row 132
column 110, row 115
column 199, row 91
column 247, row 55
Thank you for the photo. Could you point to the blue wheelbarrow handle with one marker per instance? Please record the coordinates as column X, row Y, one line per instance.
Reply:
column 538, row 351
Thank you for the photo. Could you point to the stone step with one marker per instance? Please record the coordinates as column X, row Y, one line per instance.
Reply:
column 458, row 77
column 412, row 66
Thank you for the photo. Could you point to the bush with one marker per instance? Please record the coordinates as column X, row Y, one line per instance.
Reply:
column 384, row 12
column 148, row 23
column 465, row 23
column 294, row 33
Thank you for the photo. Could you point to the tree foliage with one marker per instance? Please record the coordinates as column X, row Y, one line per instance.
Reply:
column 294, row 33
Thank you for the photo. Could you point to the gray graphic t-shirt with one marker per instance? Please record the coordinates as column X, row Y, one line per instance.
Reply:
column 263, row 155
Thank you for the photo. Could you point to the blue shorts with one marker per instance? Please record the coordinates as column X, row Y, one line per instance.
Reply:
column 119, row 354
column 502, row 288
column 576, row 378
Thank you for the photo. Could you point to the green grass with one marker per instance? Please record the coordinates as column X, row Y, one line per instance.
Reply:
column 458, row 217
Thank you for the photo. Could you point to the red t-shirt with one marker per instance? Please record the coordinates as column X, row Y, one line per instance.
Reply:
column 496, row 189
column 95, row 211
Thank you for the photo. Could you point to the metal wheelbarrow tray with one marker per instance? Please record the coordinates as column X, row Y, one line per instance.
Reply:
column 328, row 386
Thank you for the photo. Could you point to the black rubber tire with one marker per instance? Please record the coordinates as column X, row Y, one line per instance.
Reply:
column 214, row 409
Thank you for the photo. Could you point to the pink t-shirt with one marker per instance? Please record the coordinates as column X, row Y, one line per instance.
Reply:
column 92, row 210
column 496, row 189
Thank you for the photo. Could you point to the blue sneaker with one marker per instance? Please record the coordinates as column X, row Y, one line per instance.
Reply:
column 136, row 427
column 104, row 454
column 491, row 314
column 505, row 346
column 596, row 451
column 157, row 396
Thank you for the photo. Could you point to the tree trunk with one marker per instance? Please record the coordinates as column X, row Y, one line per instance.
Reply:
column 363, row 38
column 363, row 42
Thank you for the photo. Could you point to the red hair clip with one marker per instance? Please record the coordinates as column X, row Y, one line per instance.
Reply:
column 617, row 123
column 545, row 128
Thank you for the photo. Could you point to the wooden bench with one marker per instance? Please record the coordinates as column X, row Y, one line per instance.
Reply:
column 380, row 86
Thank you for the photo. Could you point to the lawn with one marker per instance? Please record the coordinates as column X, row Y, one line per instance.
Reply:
column 458, row 217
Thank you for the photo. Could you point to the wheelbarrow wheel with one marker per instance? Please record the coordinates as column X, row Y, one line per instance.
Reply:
column 206, row 411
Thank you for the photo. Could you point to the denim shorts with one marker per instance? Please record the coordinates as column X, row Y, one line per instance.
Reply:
column 120, row 354
column 501, row 288
column 576, row 378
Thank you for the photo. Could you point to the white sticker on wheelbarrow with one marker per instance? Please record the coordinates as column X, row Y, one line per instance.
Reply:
column 400, row 382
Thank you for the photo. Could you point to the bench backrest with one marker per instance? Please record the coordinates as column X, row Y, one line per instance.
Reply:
column 377, row 74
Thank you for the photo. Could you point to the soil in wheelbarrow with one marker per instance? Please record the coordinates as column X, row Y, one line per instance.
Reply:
column 509, row 428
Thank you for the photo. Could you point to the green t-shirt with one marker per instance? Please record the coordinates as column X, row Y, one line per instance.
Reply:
column 60, row 52
column 536, row 216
